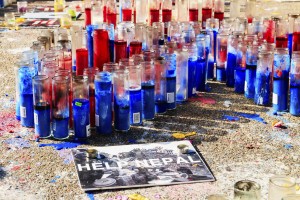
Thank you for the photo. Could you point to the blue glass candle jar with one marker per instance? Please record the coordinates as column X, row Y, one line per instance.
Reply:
column 263, row 78
column 231, row 57
column 251, row 65
column 212, row 28
column 291, row 18
column 60, row 107
column 33, row 57
column 121, row 100
column 103, row 94
column 18, row 65
column 89, row 43
column 148, row 94
column 42, row 101
column 281, row 79
column 25, row 75
column 171, row 79
column 202, row 53
column 192, row 65
column 295, row 86
column 222, row 40
column 160, row 85
column 135, row 94
column 239, row 80
column 174, row 30
column 182, row 75
column 81, row 107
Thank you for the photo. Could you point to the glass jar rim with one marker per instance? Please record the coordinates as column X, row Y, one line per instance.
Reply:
column 274, row 178
column 40, row 77
column 60, row 79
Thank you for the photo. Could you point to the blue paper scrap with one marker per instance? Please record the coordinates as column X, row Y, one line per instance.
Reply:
column 90, row 196
column 230, row 118
column 63, row 145
column 254, row 117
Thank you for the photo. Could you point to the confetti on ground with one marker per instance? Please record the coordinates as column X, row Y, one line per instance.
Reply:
column 255, row 117
column 17, row 143
column 63, row 145
column 288, row 146
column 66, row 155
column 137, row 197
column 90, row 196
column 230, row 118
column 54, row 179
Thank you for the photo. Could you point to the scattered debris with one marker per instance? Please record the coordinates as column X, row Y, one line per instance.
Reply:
column 227, row 103
column 288, row 146
column 278, row 124
column 54, row 179
column 17, row 143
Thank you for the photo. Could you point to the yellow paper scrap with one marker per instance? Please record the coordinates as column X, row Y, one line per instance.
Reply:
column 183, row 135
column 178, row 135
column 190, row 134
column 137, row 197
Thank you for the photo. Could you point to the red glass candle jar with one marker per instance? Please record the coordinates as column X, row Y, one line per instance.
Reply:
column 101, row 48
column 81, row 60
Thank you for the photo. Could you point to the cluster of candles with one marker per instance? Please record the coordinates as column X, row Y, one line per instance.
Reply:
column 265, row 60
column 149, row 11
column 128, row 73
column 67, row 86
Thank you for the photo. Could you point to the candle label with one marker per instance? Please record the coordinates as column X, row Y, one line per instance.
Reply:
column 97, row 120
column 170, row 97
column 136, row 118
column 275, row 98
column 78, row 104
column 23, row 111
column 246, row 86
column 88, row 133
column 36, row 119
